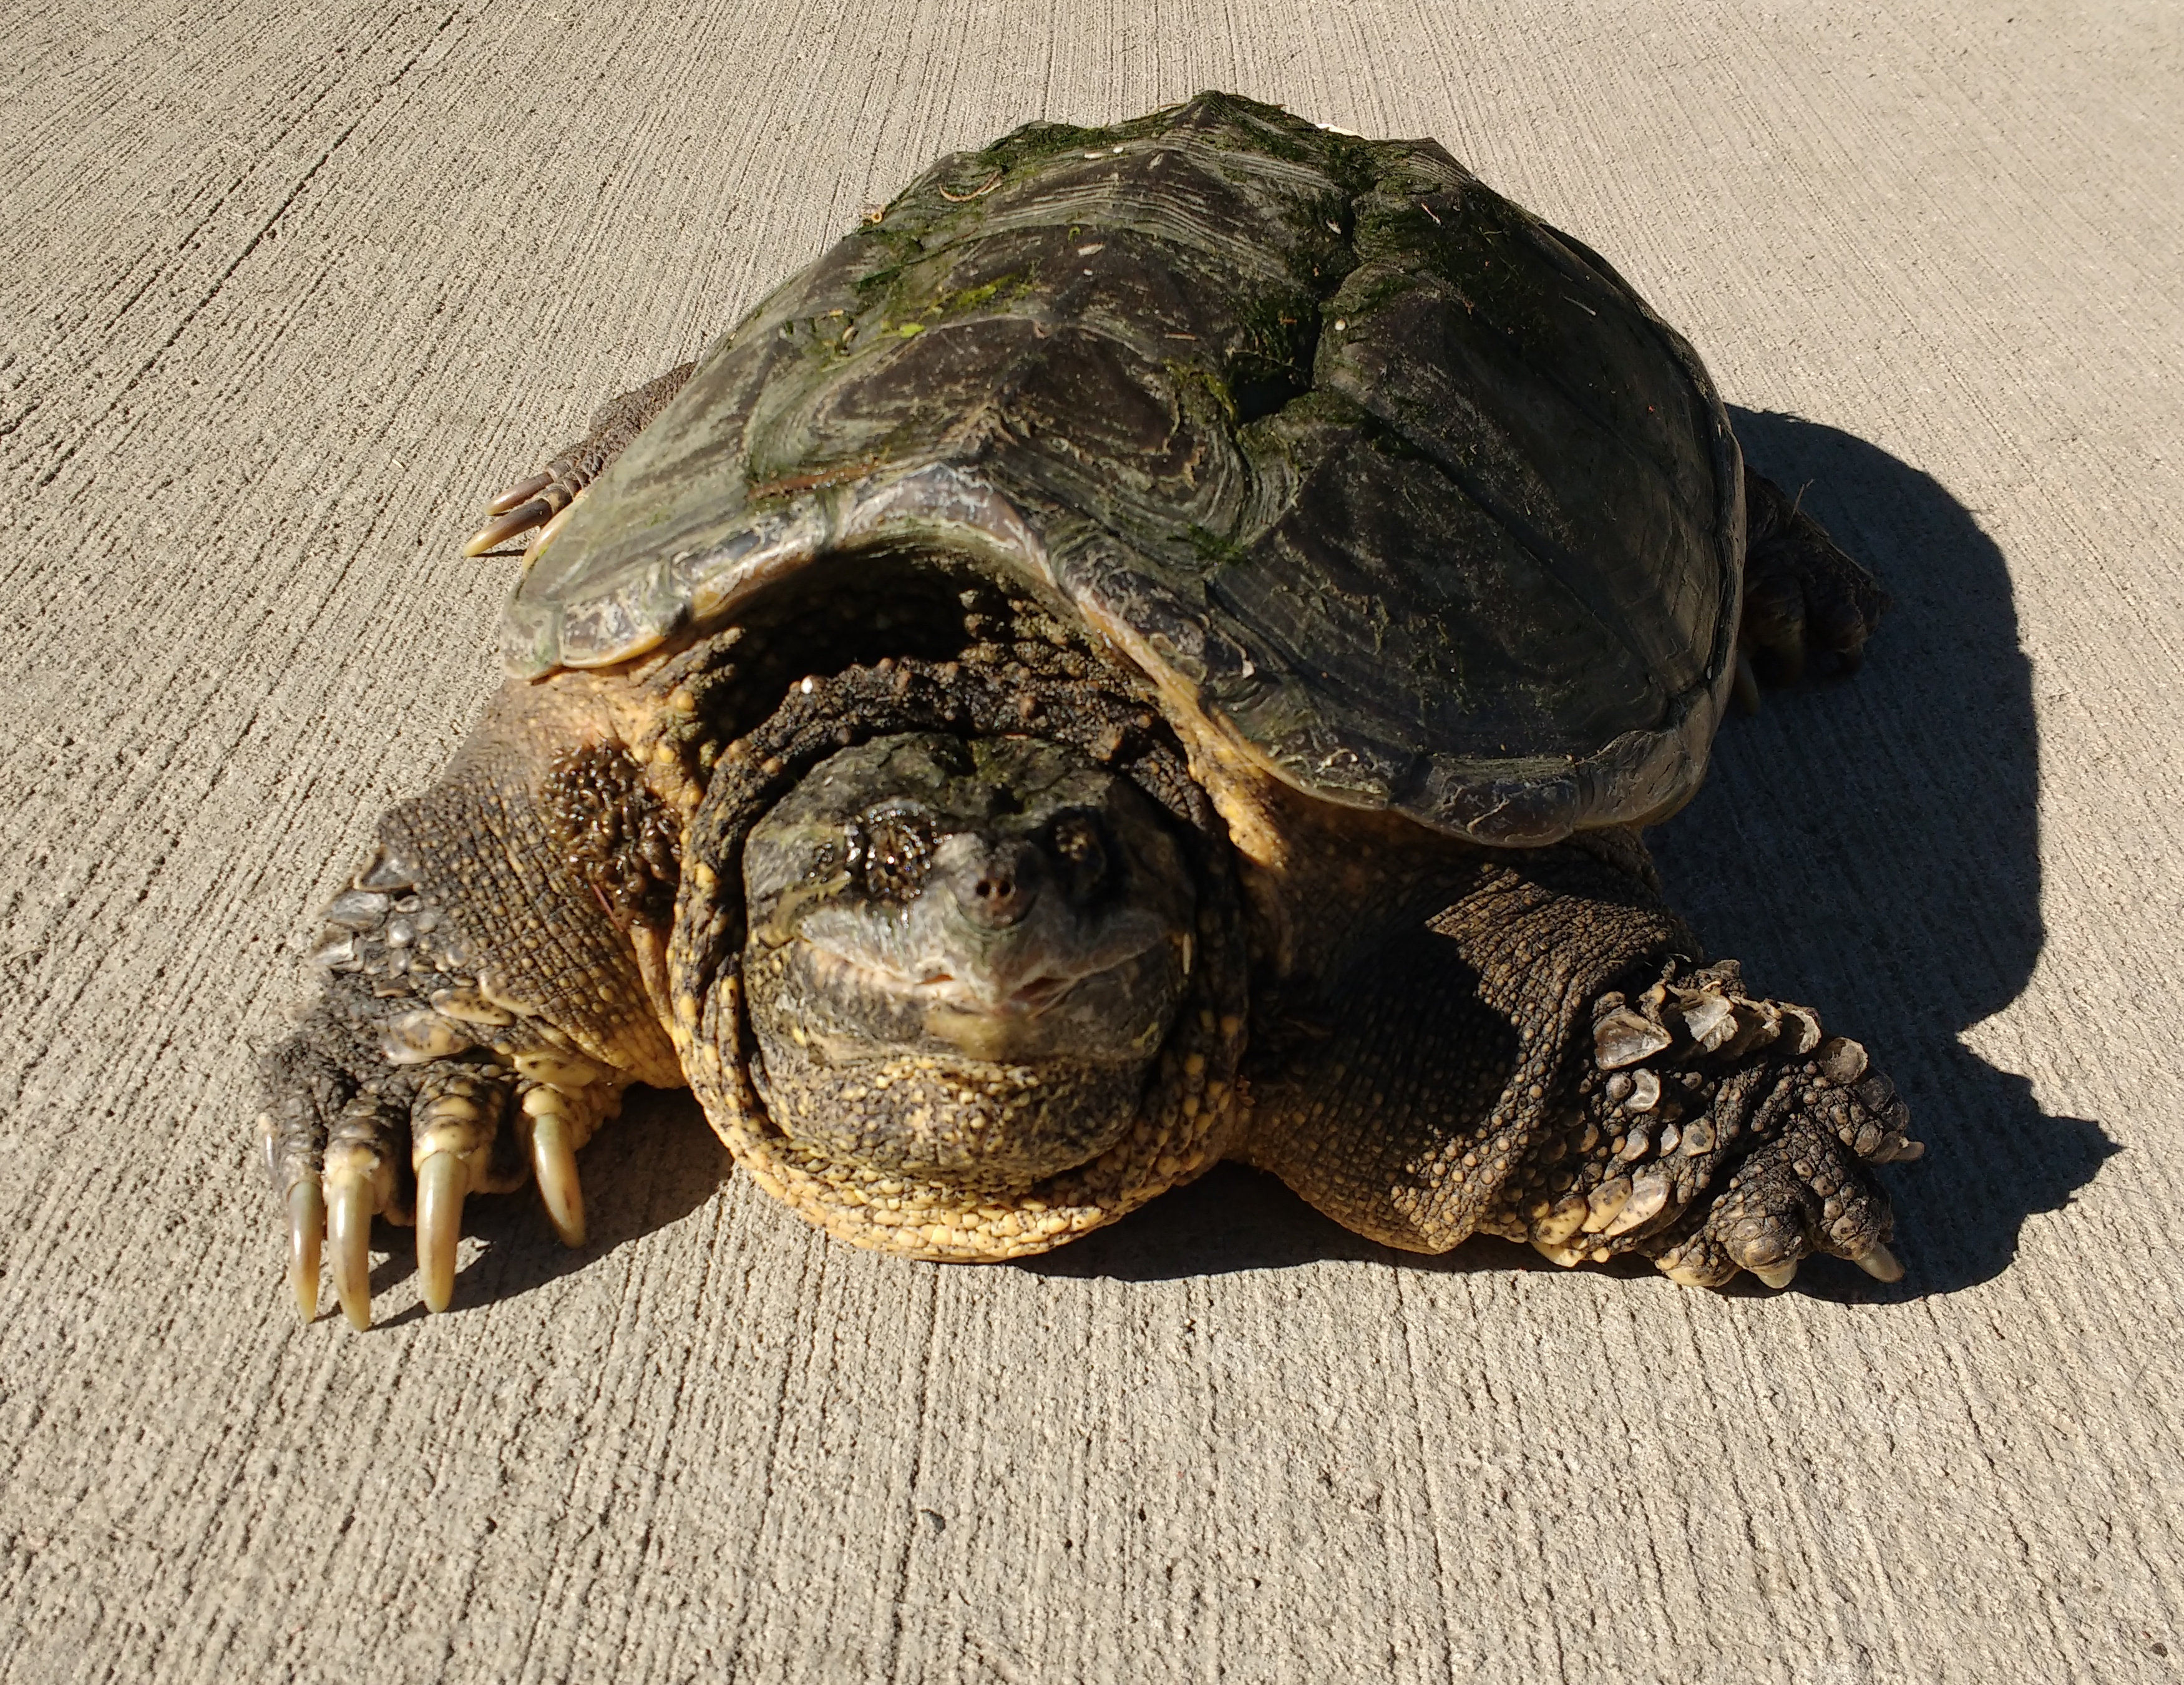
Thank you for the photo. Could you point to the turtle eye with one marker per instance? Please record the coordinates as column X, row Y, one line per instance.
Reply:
column 1082, row 852
column 893, row 850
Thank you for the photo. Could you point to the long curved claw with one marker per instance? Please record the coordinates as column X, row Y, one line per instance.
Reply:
column 1842, row 628
column 1747, row 686
column 519, row 493
column 441, row 1181
column 348, row 1238
column 1880, row 1264
column 553, row 1162
column 307, row 1230
column 544, row 535
column 506, row 526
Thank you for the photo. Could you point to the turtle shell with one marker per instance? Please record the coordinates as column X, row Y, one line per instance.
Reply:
column 1403, row 493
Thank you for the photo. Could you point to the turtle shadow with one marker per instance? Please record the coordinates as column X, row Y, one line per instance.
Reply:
column 1870, row 847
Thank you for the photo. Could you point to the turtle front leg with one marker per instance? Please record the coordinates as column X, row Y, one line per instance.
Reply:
column 1807, row 604
column 1544, row 1061
column 485, row 1000
column 541, row 498
column 407, row 1088
column 1718, row 1133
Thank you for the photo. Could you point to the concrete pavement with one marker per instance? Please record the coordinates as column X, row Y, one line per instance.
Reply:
column 290, row 289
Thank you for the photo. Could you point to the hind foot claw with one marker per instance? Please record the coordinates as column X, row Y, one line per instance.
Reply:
column 541, row 500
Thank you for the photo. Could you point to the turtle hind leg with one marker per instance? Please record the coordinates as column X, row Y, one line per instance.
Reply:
column 1807, row 606
column 540, row 499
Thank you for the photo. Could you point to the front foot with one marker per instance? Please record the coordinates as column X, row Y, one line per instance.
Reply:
column 1719, row 1133
column 541, row 500
column 406, row 1090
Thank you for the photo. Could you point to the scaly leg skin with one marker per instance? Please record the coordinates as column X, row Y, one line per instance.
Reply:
column 407, row 1088
column 1492, row 1072
column 540, row 500
column 1806, row 604
column 485, row 1002
column 1420, row 1092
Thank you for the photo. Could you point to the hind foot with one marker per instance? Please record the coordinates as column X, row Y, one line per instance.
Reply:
column 543, row 498
column 1717, row 1134
column 1806, row 604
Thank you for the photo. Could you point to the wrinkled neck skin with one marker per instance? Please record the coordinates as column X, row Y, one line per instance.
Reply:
column 962, row 957
column 1325, row 886
column 1328, row 888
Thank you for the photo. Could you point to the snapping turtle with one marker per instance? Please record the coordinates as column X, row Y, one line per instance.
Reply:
column 1160, row 646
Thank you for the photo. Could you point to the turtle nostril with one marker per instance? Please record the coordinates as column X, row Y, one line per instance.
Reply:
column 999, row 891
column 996, row 898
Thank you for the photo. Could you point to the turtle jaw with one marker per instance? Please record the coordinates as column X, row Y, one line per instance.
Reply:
column 1021, row 1012
column 870, row 1071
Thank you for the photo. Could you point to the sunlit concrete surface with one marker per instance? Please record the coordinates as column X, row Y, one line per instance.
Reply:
column 289, row 289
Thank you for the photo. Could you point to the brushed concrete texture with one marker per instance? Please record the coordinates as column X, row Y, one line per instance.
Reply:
column 289, row 289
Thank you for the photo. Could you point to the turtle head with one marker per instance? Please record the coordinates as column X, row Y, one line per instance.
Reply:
column 963, row 957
